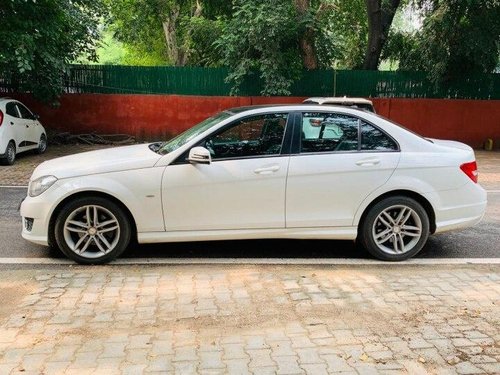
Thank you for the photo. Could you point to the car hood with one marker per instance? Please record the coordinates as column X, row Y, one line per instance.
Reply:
column 101, row 161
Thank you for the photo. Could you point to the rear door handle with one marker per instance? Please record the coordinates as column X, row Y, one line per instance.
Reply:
column 267, row 170
column 368, row 162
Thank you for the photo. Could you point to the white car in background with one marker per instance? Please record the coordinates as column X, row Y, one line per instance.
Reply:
column 288, row 171
column 20, row 131
column 345, row 101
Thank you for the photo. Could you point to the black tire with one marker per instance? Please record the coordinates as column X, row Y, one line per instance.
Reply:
column 372, row 226
column 10, row 154
column 42, row 145
column 65, row 239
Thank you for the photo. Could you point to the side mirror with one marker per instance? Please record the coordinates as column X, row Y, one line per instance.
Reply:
column 36, row 117
column 199, row 155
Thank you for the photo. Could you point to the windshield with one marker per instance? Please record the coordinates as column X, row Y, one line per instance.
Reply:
column 193, row 132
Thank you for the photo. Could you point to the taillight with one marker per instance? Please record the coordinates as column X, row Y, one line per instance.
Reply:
column 470, row 169
column 1, row 118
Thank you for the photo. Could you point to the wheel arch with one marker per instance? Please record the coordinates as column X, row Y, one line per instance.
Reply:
column 406, row 193
column 89, row 194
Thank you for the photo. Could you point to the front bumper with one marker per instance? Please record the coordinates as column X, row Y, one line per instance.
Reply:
column 36, row 216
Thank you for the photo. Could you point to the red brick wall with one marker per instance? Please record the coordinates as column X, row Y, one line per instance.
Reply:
column 160, row 116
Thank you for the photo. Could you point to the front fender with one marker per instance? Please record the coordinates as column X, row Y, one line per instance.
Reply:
column 138, row 190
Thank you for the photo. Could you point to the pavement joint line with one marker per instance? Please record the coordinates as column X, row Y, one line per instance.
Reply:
column 259, row 261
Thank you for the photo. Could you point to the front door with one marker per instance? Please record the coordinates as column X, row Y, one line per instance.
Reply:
column 243, row 187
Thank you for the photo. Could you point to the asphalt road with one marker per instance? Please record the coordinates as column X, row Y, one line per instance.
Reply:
column 481, row 241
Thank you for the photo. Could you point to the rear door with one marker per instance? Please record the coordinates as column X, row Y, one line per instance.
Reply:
column 337, row 162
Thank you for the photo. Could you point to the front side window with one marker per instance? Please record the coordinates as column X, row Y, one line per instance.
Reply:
column 327, row 132
column 252, row 136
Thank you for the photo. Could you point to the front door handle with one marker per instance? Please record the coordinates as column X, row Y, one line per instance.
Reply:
column 27, row 126
column 368, row 162
column 267, row 170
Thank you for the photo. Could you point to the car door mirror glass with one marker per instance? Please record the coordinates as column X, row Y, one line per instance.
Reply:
column 199, row 155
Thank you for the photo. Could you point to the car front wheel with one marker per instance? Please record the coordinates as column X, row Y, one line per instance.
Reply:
column 10, row 154
column 395, row 229
column 92, row 230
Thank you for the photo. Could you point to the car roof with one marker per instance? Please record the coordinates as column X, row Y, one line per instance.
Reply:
column 339, row 100
column 295, row 107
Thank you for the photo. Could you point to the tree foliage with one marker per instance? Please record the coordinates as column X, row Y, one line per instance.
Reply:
column 178, row 32
column 276, row 39
column 39, row 38
column 457, row 38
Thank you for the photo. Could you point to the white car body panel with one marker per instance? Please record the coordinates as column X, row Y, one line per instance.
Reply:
column 139, row 188
column 326, row 189
column 302, row 196
column 325, row 233
column 100, row 161
column 25, row 133
column 227, row 194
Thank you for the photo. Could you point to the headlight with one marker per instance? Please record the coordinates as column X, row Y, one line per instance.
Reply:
column 41, row 184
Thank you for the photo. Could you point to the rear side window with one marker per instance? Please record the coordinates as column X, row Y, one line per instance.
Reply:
column 375, row 140
column 328, row 132
column 334, row 132
column 10, row 109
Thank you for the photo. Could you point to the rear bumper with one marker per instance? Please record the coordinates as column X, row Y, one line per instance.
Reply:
column 460, row 208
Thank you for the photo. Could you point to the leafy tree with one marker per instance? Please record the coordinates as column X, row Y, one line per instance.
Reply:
column 39, row 38
column 457, row 38
column 171, row 29
column 261, row 37
column 347, row 29
column 276, row 39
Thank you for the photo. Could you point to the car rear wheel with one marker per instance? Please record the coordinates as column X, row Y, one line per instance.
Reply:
column 395, row 229
column 42, row 145
column 10, row 154
column 92, row 230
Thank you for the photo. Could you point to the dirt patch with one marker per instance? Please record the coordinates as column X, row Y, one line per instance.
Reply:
column 12, row 293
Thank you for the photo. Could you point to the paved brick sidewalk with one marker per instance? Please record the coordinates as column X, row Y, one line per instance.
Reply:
column 250, row 319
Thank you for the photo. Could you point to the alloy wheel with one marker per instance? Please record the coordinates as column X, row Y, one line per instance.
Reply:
column 91, row 231
column 397, row 229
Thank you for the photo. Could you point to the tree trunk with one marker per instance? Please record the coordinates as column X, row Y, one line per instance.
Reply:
column 379, row 22
column 170, row 32
column 178, row 50
column 306, row 40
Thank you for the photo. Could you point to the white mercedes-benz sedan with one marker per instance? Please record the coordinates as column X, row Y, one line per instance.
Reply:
column 288, row 171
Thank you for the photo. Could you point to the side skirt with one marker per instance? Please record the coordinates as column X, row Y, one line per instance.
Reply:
column 326, row 233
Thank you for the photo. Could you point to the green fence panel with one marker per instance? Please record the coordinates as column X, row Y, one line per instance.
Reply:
column 111, row 79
